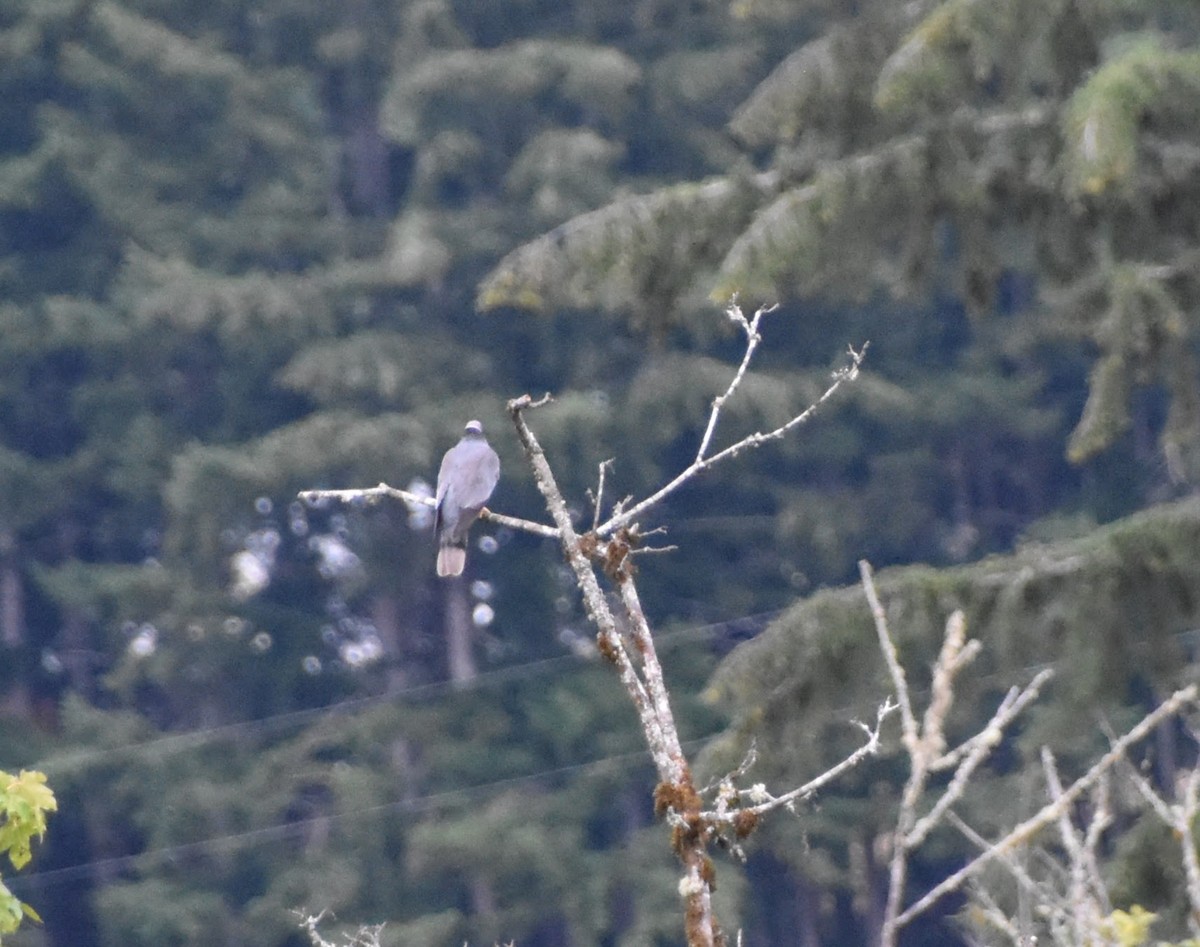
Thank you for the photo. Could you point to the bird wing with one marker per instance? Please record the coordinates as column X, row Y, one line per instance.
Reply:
column 467, row 477
column 473, row 475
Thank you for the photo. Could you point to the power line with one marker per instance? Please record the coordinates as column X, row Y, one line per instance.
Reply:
column 178, row 742
column 284, row 830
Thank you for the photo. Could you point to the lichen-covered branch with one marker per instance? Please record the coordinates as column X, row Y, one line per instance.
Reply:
column 676, row 796
column 1048, row 814
column 925, row 744
column 370, row 495
column 594, row 600
column 1181, row 818
column 704, row 461
column 626, row 641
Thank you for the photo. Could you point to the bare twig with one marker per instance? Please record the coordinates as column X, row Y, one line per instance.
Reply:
column 371, row 495
column 1010, row 862
column 753, row 339
column 1181, row 818
column 1025, row 831
column 995, row 917
column 980, row 748
column 598, row 497
column 363, row 937
column 703, row 463
column 926, row 743
column 1088, row 901
column 763, row 802
column 366, row 496
column 908, row 720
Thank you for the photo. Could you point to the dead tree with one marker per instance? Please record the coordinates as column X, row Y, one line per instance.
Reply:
column 603, row 555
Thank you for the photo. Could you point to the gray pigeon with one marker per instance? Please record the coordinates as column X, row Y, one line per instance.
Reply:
column 467, row 477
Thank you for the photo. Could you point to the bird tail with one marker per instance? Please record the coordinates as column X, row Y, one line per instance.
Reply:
column 451, row 560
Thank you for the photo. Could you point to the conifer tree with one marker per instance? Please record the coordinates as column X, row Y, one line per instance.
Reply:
column 1034, row 162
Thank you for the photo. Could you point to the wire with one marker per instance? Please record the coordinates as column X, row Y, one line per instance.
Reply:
column 284, row 830
column 178, row 742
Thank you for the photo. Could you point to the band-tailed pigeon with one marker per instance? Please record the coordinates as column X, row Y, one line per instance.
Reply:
column 466, row 479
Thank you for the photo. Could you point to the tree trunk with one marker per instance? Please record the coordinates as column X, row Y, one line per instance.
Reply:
column 460, row 660
column 16, row 701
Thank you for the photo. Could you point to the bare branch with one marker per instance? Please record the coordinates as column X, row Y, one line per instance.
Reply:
column 955, row 655
column 608, row 636
column 727, row 782
column 598, row 497
column 1007, row 859
column 753, row 339
column 991, row 912
column 926, row 744
column 908, row 720
column 1026, row 830
column 650, row 550
column 368, row 496
column 981, row 747
column 366, row 936
column 512, row 522
column 764, row 802
column 1010, row 708
column 652, row 676
column 1181, row 818
column 1087, row 900
column 699, row 465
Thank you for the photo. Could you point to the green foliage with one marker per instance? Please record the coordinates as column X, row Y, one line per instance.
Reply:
column 1109, row 612
column 25, row 800
column 1141, row 85
column 471, row 87
column 1129, row 928
column 628, row 250
column 239, row 245
column 943, row 151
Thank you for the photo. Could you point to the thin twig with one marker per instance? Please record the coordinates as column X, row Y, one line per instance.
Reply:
column 1180, row 818
column 1023, row 878
column 981, row 747
column 1086, row 911
column 371, row 495
column 1026, row 830
column 598, row 498
column 627, row 516
column 908, row 720
column 753, row 339
column 869, row 748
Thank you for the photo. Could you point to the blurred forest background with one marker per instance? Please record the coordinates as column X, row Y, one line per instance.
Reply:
column 249, row 248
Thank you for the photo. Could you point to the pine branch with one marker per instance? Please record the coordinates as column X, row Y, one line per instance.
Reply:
column 617, row 257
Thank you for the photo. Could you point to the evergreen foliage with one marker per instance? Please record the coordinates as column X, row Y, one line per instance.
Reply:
column 240, row 248
column 955, row 146
column 1114, row 613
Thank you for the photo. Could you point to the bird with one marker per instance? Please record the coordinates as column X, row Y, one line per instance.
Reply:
column 466, row 479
